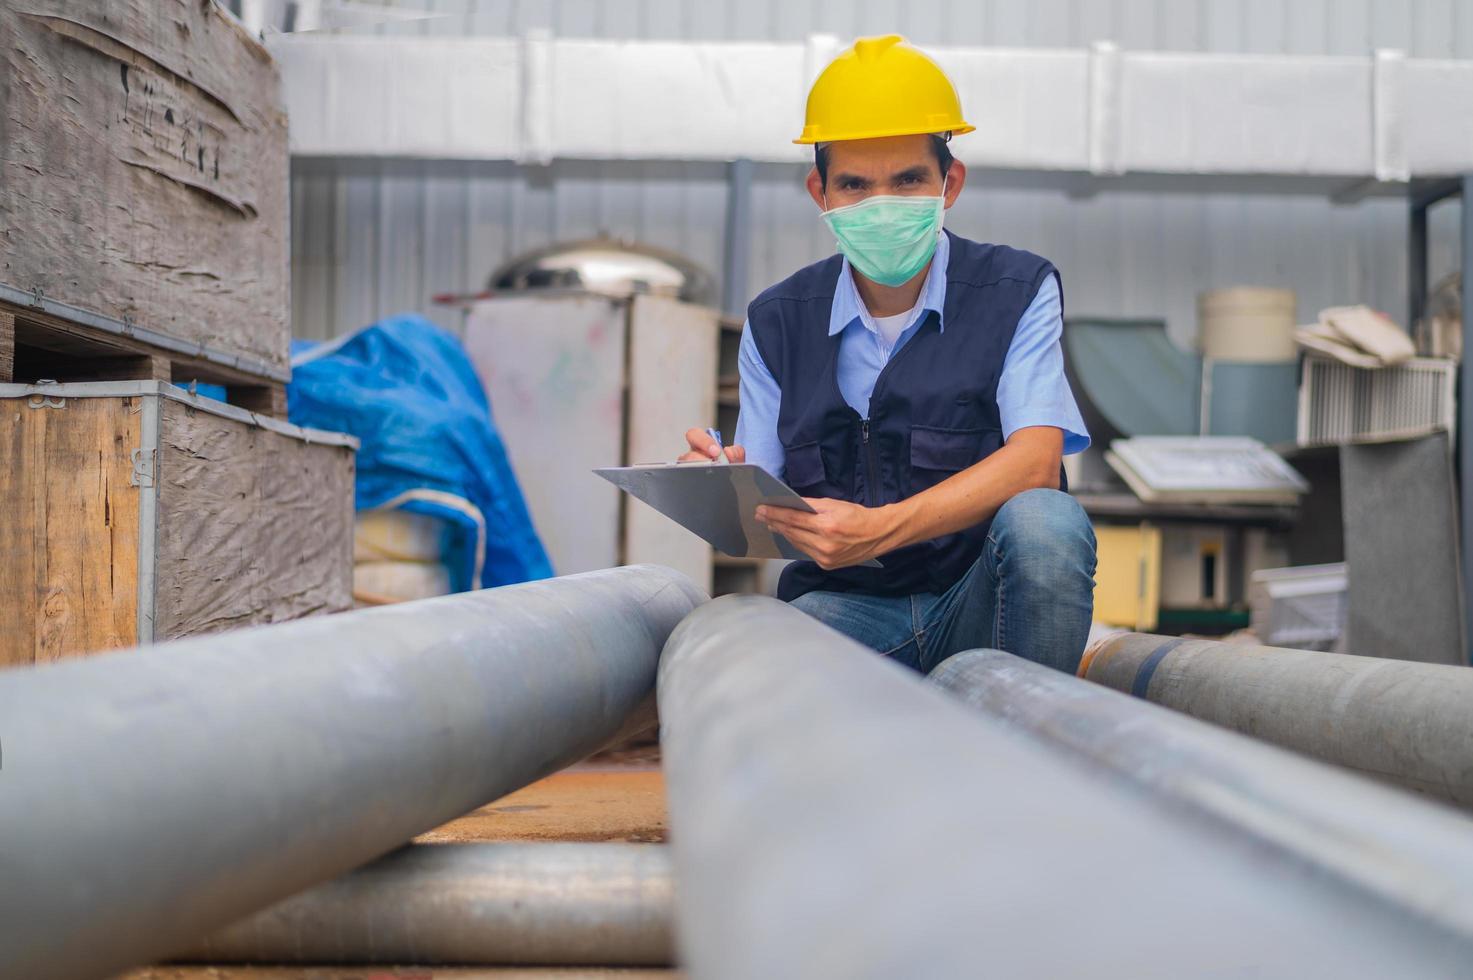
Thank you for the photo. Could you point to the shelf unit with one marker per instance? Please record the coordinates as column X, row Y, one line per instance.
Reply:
column 1422, row 195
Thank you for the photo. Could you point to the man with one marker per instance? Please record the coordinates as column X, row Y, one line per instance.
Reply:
column 912, row 389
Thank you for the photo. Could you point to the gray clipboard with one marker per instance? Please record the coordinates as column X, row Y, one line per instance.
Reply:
column 716, row 501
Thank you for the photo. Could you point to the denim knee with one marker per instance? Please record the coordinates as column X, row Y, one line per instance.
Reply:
column 1049, row 527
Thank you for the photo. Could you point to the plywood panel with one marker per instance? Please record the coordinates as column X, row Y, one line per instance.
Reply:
column 672, row 387
column 1401, row 551
column 553, row 367
column 69, row 552
column 253, row 526
column 170, row 116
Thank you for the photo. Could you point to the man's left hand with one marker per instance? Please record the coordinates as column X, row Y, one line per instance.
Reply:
column 840, row 533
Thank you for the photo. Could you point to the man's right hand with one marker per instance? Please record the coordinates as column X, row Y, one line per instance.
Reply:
column 703, row 449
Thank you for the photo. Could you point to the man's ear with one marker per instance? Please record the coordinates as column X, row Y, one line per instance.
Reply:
column 956, row 179
column 815, row 187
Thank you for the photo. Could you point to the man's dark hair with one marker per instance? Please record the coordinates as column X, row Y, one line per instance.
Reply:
column 938, row 147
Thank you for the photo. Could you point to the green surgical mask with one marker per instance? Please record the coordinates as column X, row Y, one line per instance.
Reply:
column 889, row 238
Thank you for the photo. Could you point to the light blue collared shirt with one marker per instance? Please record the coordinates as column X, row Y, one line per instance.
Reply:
column 1032, row 389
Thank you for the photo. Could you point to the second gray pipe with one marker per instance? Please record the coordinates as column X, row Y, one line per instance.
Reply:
column 1406, row 723
column 1413, row 854
column 561, row 904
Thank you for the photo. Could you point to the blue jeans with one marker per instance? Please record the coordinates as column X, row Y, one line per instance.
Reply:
column 1031, row 593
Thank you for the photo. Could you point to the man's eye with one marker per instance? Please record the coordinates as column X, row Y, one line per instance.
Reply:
column 850, row 185
column 910, row 180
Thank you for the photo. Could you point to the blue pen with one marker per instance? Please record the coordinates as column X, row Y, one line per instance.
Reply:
column 716, row 434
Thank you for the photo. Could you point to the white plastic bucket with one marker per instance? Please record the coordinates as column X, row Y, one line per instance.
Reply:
column 1247, row 323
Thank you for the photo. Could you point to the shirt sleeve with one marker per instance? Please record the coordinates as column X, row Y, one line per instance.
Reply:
column 756, row 430
column 1033, row 389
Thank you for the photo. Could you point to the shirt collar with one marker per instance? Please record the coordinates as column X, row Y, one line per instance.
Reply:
column 847, row 304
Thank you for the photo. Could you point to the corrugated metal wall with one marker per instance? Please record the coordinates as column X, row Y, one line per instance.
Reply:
column 373, row 239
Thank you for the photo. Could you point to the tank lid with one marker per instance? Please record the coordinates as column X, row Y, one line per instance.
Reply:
column 609, row 266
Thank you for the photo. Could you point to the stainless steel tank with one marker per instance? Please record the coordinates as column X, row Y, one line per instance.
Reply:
column 608, row 266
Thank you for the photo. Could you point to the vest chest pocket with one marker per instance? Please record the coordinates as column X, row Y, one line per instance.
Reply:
column 803, row 466
column 937, row 453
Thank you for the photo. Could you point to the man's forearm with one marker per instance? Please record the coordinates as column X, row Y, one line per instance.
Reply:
column 1029, row 460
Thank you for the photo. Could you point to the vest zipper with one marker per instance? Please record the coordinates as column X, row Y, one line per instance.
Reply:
column 864, row 423
column 872, row 483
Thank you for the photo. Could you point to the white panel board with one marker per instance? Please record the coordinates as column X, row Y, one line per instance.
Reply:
column 423, row 97
column 672, row 387
column 674, row 100
column 1030, row 107
column 1439, row 109
column 553, row 367
column 1230, row 114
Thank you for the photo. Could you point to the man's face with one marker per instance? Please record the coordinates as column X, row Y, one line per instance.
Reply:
column 903, row 165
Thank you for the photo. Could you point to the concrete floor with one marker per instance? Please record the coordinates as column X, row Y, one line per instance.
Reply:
column 593, row 802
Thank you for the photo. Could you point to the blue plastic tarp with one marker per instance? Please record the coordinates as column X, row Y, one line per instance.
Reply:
column 407, row 390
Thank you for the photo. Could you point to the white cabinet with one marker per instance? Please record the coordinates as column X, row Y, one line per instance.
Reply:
column 579, row 380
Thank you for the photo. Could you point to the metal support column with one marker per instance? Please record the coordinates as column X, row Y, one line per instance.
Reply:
column 738, row 237
column 1423, row 196
column 1465, row 417
column 833, row 815
column 151, row 796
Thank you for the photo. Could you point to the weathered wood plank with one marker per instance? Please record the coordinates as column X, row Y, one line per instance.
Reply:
column 91, row 529
column 170, row 116
column 7, row 347
column 21, row 464
column 69, row 582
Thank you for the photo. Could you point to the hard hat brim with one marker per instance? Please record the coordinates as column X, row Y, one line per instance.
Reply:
column 958, row 130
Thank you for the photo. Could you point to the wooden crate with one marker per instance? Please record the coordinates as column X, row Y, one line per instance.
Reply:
column 134, row 512
column 144, row 177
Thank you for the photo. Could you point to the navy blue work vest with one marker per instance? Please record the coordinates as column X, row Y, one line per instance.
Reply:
column 933, row 412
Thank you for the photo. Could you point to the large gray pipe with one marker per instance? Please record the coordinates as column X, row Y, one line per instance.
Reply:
column 1415, row 855
column 1407, row 723
column 149, row 797
column 559, row 904
column 834, row 816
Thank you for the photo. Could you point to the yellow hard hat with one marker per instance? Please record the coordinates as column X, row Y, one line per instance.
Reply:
column 882, row 86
